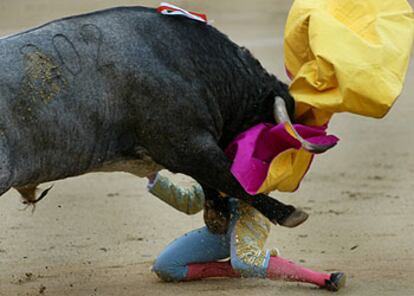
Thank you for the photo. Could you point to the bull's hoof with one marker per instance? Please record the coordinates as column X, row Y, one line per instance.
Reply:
column 336, row 282
column 296, row 218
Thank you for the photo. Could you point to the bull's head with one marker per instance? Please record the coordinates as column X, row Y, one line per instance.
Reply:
column 282, row 116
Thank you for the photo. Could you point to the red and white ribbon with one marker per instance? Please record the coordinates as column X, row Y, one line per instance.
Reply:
column 169, row 9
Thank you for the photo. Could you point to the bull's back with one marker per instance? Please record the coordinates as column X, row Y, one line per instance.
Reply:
column 86, row 90
column 61, row 96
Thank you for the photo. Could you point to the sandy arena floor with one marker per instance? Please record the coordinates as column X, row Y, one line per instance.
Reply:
column 98, row 234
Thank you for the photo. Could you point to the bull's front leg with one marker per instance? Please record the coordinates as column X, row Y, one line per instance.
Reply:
column 206, row 162
column 217, row 213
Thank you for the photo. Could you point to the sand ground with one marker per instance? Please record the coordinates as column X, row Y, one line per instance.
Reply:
column 98, row 234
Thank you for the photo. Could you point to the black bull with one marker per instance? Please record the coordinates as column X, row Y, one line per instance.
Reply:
column 128, row 89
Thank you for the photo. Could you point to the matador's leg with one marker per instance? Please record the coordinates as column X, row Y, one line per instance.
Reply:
column 194, row 256
column 249, row 232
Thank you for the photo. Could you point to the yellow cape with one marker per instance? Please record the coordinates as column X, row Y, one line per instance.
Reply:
column 343, row 56
column 347, row 56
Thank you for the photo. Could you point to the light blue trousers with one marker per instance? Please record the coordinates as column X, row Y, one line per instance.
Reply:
column 202, row 246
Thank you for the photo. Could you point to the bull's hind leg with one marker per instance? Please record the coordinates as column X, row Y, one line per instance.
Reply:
column 208, row 164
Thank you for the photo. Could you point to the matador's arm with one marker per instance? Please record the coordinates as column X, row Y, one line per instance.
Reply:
column 186, row 200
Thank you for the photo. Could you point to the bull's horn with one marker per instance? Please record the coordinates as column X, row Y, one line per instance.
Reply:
column 282, row 116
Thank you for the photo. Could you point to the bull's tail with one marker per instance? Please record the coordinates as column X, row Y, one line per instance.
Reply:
column 29, row 195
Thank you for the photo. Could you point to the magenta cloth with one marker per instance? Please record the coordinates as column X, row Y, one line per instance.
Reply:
column 253, row 151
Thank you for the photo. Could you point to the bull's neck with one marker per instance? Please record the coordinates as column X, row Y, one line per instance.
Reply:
column 247, row 110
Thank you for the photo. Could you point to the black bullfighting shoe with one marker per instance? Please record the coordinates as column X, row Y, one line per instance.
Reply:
column 336, row 282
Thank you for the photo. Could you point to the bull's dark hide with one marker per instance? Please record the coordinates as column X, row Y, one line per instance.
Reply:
column 123, row 87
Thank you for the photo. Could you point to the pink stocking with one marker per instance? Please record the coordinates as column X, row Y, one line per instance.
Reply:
column 280, row 268
column 208, row 270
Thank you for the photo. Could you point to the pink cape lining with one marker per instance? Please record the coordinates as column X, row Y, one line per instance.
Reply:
column 253, row 151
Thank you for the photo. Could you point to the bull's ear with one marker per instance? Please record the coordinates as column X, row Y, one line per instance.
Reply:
column 282, row 116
